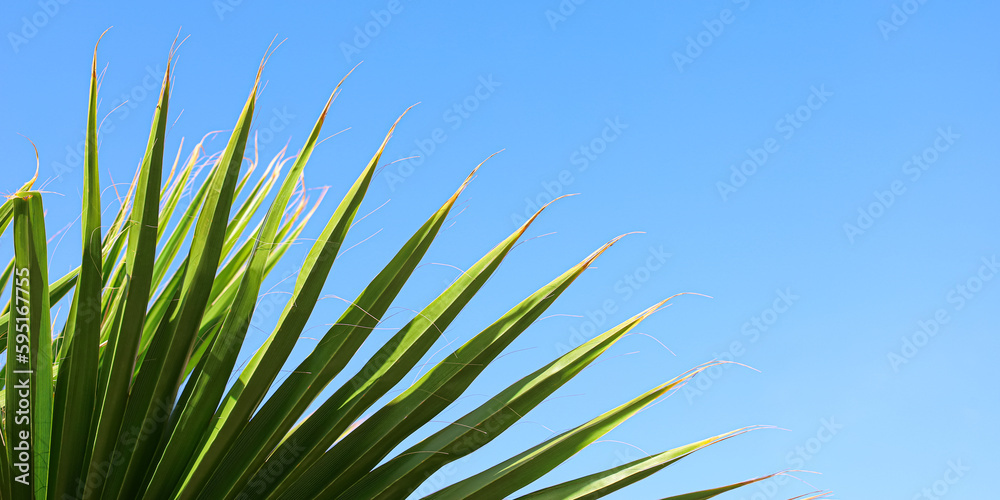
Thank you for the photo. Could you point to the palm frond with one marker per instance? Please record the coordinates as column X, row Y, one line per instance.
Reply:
column 140, row 394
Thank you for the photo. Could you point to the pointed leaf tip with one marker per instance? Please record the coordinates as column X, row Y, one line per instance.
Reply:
column 468, row 179
column 27, row 185
column 333, row 95
column 531, row 219
column 597, row 253
column 393, row 127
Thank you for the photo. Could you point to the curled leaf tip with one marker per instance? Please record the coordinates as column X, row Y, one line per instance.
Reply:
column 27, row 186
column 175, row 46
column 99, row 39
column 468, row 179
column 393, row 127
column 524, row 227
column 336, row 90
column 271, row 48
column 620, row 236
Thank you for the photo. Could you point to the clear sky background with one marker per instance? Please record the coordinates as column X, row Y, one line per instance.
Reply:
column 828, row 255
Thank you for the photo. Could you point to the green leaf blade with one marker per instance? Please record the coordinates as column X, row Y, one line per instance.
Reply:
column 29, row 355
column 76, row 389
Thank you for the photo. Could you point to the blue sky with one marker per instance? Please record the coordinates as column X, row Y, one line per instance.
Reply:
column 822, row 169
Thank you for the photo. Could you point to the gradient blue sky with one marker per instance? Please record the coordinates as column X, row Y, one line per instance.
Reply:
column 829, row 102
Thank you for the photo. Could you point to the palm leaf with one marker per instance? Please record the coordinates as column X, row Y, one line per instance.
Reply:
column 28, row 421
column 76, row 388
column 145, row 398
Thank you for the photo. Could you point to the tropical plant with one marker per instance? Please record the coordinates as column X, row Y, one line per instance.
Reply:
column 130, row 397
